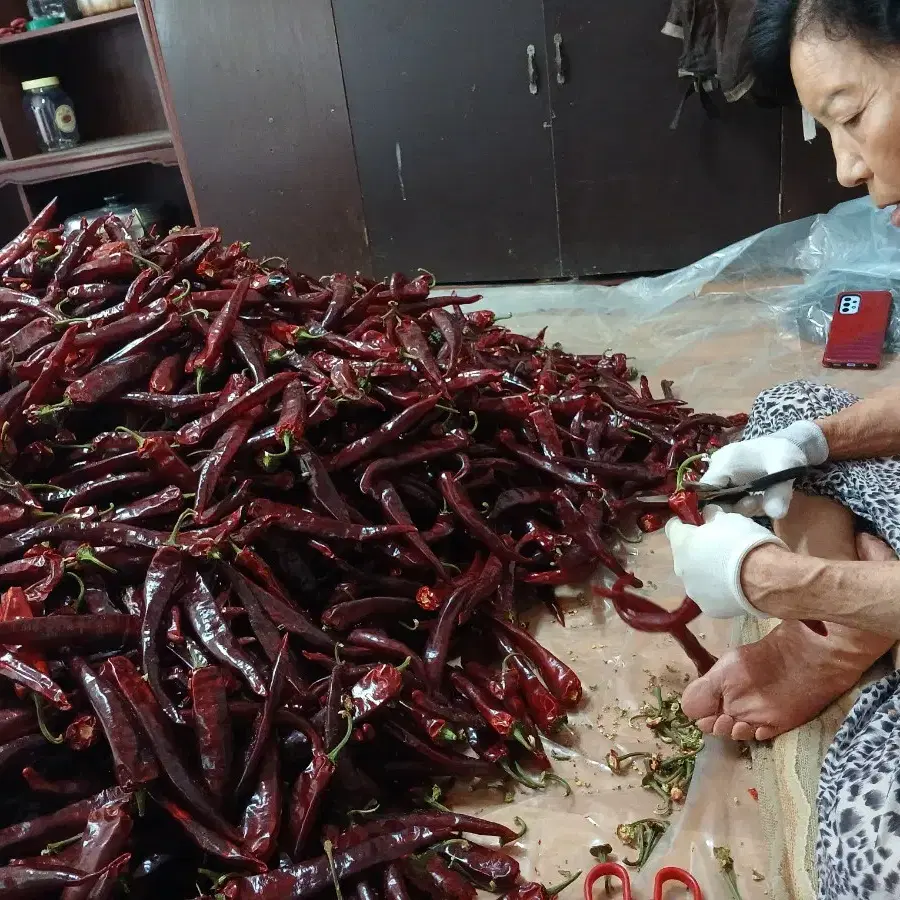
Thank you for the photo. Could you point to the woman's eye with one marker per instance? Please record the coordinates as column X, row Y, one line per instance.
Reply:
column 853, row 120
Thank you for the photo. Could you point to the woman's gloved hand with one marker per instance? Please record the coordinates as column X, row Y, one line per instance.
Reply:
column 800, row 444
column 708, row 559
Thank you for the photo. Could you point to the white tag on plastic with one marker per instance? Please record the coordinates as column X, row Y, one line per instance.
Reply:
column 809, row 127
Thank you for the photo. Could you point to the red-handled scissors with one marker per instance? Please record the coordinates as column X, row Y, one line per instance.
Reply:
column 663, row 877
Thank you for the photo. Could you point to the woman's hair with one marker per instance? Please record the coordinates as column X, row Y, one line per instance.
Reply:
column 874, row 23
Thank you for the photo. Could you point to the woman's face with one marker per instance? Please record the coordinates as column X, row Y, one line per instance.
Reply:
column 856, row 96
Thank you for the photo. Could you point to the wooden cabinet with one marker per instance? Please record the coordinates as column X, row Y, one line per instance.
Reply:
column 450, row 111
column 486, row 140
column 257, row 90
column 107, row 64
column 472, row 166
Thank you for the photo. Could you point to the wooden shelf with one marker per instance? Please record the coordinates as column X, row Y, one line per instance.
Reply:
column 92, row 156
column 88, row 22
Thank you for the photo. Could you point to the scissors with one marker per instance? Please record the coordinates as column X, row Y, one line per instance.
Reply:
column 708, row 494
column 663, row 877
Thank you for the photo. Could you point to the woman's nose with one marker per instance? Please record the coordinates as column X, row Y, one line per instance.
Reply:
column 851, row 168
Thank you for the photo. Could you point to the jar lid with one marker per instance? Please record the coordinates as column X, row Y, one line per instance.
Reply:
column 40, row 83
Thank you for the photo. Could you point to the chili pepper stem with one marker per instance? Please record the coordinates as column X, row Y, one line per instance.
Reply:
column 173, row 537
column 433, row 799
column 287, row 442
column 145, row 262
column 519, row 736
column 56, row 846
column 42, row 725
column 140, row 440
column 217, row 878
column 682, row 469
column 545, row 776
column 328, row 847
column 202, row 313
column 522, row 825
column 85, row 554
column 46, row 412
column 369, row 810
column 559, row 888
column 333, row 755
column 80, row 597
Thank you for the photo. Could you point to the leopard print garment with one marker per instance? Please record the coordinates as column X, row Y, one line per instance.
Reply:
column 858, row 850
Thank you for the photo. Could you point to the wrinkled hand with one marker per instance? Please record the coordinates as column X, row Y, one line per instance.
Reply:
column 708, row 559
column 800, row 444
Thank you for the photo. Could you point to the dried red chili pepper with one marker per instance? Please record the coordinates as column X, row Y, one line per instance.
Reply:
column 212, row 724
column 559, row 678
column 163, row 576
column 22, row 243
column 378, row 686
column 500, row 720
column 23, row 881
column 261, row 821
column 219, row 333
column 156, row 728
column 134, row 764
column 308, row 793
column 214, row 633
column 547, row 713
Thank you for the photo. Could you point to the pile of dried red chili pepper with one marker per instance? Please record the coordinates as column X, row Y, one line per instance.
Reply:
column 264, row 542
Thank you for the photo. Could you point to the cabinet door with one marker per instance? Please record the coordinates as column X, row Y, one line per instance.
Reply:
column 635, row 196
column 452, row 135
column 257, row 93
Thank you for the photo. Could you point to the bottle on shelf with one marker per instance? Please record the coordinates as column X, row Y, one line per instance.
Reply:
column 50, row 12
column 50, row 110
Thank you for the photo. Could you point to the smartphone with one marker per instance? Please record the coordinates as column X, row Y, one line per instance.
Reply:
column 858, row 330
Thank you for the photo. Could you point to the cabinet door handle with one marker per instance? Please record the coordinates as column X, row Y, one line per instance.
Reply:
column 560, row 59
column 532, row 69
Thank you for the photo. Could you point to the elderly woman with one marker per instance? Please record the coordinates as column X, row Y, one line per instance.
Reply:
column 841, row 58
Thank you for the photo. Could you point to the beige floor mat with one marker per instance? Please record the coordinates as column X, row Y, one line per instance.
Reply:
column 721, row 350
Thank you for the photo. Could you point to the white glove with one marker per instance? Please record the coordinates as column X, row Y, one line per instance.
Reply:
column 708, row 559
column 800, row 444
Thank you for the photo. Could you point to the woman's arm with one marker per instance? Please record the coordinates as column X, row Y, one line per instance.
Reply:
column 863, row 595
column 868, row 429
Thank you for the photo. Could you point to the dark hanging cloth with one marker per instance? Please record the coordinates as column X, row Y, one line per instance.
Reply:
column 714, row 46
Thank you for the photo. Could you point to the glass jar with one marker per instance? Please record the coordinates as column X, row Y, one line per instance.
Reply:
column 50, row 110
column 56, row 9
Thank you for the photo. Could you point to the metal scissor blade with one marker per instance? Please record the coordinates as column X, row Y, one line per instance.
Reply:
column 707, row 494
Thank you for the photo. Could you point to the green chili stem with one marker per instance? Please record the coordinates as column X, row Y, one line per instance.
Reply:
column 139, row 438
column 682, row 469
column 173, row 537
column 344, row 740
column 150, row 265
column 85, row 554
column 56, row 846
column 42, row 725
column 559, row 888
column 287, row 441
column 80, row 597
column 329, row 847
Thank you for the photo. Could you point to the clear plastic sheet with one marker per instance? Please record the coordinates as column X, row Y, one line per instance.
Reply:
column 739, row 321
